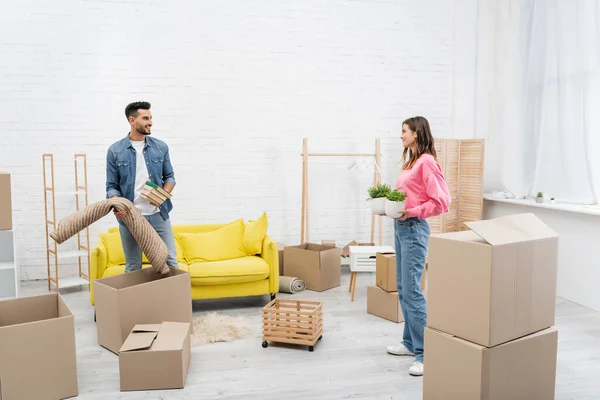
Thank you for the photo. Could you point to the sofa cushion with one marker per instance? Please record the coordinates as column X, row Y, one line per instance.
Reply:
column 120, row 269
column 239, row 270
column 254, row 235
column 114, row 248
column 220, row 244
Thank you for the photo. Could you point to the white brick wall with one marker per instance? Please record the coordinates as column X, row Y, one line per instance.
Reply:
column 235, row 86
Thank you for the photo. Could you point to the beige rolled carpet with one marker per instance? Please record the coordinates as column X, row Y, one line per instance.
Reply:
column 290, row 284
column 149, row 241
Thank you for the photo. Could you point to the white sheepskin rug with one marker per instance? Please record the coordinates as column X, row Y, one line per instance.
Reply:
column 213, row 327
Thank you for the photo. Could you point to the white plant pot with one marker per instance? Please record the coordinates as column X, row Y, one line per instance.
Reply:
column 378, row 205
column 539, row 199
column 393, row 208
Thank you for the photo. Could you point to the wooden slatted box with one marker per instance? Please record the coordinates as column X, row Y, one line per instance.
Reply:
column 292, row 321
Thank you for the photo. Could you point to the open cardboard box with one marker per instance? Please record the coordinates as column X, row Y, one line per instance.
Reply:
column 319, row 266
column 155, row 356
column 494, row 283
column 37, row 349
column 140, row 297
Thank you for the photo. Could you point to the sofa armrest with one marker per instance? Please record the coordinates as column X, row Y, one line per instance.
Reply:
column 98, row 263
column 270, row 253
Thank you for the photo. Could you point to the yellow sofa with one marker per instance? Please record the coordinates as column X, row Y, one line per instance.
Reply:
column 233, row 259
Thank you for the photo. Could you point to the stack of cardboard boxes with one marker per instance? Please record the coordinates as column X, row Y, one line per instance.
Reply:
column 382, row 300
column 142, row 317
column 491, row 305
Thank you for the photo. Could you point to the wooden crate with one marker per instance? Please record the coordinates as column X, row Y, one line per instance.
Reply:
column 292, row 321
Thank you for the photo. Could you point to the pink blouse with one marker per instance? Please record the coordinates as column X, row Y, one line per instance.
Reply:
column 427, row 194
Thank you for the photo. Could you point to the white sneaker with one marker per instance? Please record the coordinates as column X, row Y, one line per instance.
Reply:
column 400, row 350
column 416, row 369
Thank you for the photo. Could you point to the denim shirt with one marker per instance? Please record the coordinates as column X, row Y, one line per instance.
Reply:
column 120, row 169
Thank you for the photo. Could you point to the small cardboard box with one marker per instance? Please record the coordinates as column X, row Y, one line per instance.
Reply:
column 155, row 356
column 521, row 369
column 384, row 304
column 494, row 283
column 317, row 265
column 280, row 247
column 140, row 297
column 5, row 202
column 37, row 349
column 385, row 271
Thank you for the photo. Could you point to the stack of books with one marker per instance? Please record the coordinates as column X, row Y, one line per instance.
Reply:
column 155, row 194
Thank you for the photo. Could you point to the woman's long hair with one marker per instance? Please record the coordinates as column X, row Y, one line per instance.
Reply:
column 424, row 141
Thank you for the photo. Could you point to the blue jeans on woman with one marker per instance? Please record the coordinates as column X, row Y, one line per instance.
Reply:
column 132, row 250
column 411, row 237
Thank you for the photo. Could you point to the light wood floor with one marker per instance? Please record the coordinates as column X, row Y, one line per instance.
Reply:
column 349, row 363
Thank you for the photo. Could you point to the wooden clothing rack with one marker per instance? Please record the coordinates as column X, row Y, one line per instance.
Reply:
column 304, row 230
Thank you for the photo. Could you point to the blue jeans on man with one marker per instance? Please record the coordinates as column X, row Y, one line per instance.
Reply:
column 133, row 252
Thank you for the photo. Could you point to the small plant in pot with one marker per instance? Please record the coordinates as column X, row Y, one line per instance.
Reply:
column 394, row 203
column 539, row 198
column 377, row 195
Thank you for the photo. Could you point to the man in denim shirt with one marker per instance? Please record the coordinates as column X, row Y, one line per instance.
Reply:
column 131, row 162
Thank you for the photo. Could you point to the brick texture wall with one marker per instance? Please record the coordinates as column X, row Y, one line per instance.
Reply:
column 235, row 86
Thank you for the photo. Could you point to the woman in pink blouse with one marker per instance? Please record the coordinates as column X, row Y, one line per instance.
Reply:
column 427, row 195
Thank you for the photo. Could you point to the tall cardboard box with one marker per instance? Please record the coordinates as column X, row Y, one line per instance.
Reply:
column 495, row 282
column 385, row 271
column 5, row 202
column 280, row 247
column 37, row 349
column 139, row 297
column 155, row 356
column 317, row 265
column 384, row 304
column 522, row 369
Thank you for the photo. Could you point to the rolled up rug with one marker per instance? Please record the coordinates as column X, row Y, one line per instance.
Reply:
column 144, row 234
column 290, row 284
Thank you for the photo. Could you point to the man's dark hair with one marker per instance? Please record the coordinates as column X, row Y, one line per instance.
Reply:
column 132, row 109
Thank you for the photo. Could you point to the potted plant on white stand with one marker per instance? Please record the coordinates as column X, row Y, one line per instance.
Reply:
column 539, row 198
column 377, row 195
column 394, row 203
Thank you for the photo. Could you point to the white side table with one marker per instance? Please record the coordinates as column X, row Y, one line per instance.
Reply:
column 363, row 259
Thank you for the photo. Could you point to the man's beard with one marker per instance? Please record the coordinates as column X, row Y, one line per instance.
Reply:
column 142, row 131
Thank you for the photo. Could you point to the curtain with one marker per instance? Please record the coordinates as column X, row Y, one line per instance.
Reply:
column 537, row 95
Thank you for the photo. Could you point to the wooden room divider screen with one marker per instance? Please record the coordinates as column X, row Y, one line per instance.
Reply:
column 462, row 164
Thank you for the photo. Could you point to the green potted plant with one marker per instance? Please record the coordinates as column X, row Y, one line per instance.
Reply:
column 377, row 195
column 539, row 198
column 394, row 203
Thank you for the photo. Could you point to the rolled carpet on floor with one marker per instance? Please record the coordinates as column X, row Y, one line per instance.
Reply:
column 150, row 242
column 290, row 284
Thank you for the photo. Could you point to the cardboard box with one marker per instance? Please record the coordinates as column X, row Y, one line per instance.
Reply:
column 346, row 248
column 494, row 283
column 385, row 271
column 37, row 349
column 327, row 242
column 280, row 247
column 140, row 297
column 523, row 369
column 155, row 356
column 317, row 265
column 5, row 202
column 384, row 304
